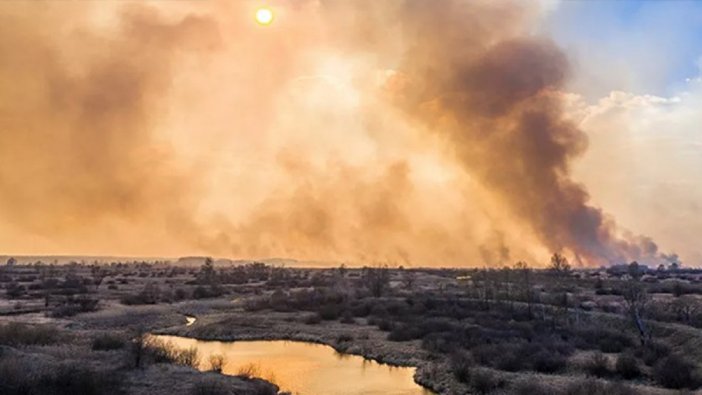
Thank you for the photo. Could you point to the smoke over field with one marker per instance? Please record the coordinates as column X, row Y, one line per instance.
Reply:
column 415, row 132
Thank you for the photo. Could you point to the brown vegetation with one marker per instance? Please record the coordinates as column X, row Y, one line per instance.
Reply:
column 492, row 329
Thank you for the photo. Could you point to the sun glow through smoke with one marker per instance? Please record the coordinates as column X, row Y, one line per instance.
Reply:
column 264, row 16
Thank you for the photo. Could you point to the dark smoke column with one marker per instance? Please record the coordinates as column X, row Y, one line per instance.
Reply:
column 496, row 94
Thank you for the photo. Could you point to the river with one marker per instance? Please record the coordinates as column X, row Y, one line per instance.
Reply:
column 305, row 368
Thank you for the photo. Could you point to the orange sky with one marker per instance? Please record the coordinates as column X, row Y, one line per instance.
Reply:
column 343, row 131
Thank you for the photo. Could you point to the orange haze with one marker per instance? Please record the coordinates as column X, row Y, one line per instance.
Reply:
column 411, row 132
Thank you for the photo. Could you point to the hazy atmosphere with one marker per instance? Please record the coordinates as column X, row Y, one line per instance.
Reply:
column 350, row 197
column 420, row 133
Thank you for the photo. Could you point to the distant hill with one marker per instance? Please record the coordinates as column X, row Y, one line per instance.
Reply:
column 199, row 260
column 183, row 261
column 65, row 259
column 194, row 260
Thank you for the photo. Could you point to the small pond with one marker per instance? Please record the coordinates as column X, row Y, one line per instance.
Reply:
column 306, row 368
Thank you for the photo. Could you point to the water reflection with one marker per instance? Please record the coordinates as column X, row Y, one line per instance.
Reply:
column 306, row 368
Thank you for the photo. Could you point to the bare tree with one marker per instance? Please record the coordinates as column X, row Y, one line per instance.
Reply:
column 507, row 284
column 525, row 278
column 483, row 285
column 207, row 273
column 151, row 293
column 561, row 268
column 635, row 270
column 98, row 277
column 139, row 344
column 637, row 300
column 559, row 264
column 377, row 279
column 408, row 279
column 685, row 308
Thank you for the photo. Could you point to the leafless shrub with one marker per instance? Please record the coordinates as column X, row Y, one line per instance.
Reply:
column 627, row 366
column 596, row 387
column 531, row 386
column 676, row 372
column 165, row 352
column 249, row 371
column 484, row 381
column 188, row 357
column 312, row 319
column 210, row 386
column 598, row 365
column 13, row 334
column 18, row 377
column 108, row 341
column 461, row 365
column 217, row 362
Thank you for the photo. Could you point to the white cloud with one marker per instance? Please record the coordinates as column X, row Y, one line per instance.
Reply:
column 644, row 164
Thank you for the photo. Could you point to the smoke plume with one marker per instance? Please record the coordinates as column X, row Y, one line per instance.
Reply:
column 413, row 132
column 499, row 100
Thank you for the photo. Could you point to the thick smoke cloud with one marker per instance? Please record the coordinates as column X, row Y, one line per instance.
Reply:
column 78, row 112
column 413, row 132
column 500, row 101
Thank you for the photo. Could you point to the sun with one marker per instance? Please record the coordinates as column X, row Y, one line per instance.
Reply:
column 264, row 16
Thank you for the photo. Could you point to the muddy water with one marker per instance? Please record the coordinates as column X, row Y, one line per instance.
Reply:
column 306, row 368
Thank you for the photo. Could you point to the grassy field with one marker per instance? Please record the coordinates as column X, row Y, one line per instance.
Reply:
column 512, row 330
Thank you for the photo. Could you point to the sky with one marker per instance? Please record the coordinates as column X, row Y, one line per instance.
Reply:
column 637, row 67
column 646, row 47
column 448, row 133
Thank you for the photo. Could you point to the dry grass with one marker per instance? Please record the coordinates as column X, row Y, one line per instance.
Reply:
column 108, row 341
column 166, row 352
column 17, row 334
column 249, row 371
column 210, row 386
column 217, row 362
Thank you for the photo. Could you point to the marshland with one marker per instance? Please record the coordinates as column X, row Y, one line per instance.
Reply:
column 350, row 197
column 237, row 327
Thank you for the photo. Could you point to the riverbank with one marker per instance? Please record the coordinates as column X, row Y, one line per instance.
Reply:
column 94, row 355
column 356, row 339
column 359, row 338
